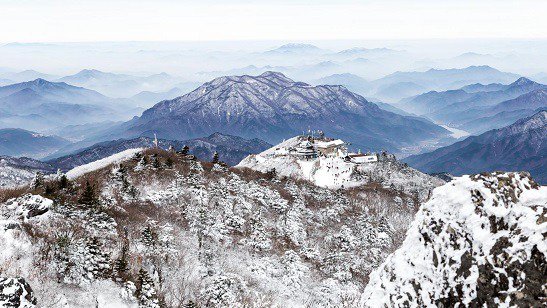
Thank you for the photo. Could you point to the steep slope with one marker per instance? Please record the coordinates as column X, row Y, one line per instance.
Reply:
column 272, row 107
column 19, row 142
column 231, row 149
column 479, row 242
column 520, row 146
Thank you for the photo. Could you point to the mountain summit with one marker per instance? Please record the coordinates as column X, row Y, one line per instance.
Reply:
column 273, row 107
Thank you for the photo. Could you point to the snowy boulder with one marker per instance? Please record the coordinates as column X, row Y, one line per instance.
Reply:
column 16, row 292
column 27, row 206
column 480, row 241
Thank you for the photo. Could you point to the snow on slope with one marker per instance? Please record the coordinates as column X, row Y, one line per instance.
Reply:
column 101, row 163
column 335, row 172
column 479, row 240
column 12, row 176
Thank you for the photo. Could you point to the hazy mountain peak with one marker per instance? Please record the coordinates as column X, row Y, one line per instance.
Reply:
column 271, row 107
column 300, row 46
column 40, row 81
column 522, row 81
column 90, row 73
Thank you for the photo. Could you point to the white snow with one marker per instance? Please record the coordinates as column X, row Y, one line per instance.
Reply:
column 453, row 214
column 334, row 172
column 101, row 163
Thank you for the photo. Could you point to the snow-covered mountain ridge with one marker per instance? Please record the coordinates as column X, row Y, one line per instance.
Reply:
column 272, row 107
column 480, row 241
column 164, row 229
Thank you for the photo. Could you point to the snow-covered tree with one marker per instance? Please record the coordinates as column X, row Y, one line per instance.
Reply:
column 185, row 149
column 88, row 196
column 37, row 181
column 146, row 293
column 215, row 158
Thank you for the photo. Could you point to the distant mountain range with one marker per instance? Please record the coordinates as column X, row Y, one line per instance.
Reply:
column 352, row 82
column 520, row 146
column 296, row 48
column 42, row 105
column 15, row 77
column 273, row 107
column 20, row 142
column 478, row 108
column 440, row 79
column 121, row 85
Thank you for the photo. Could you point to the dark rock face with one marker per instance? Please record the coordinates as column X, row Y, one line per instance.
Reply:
column 520, row 146
column 483, row 249
column 272, row 107
column 15, row 293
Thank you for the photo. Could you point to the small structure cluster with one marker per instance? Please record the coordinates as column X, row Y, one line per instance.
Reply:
column 311, row 147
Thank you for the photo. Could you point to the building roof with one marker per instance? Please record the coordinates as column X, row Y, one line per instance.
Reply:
column 359, row 154
column 329, row 144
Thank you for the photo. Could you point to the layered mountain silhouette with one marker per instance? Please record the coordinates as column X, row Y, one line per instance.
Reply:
column 20, row 142
column 42, row 105
column 438, row 104
column 273, row 107
column 444, row 79
column 120, row 85
column 520, row 146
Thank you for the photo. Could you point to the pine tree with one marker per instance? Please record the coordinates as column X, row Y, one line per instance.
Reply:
column 149, row 236
column 63, row 182
column 49, row 190
column 121, row 173
column 271, row 174
column 146, row 294
column 143, row 162
column 215, row 158
column 137, row 157
column 156, row 162
column 97, row 262
column 38, row 180
column 121, row 266
column 88, row 195
column 185, row 150
column 169, row 163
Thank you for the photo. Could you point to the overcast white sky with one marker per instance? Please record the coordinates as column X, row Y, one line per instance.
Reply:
column 160, row 20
